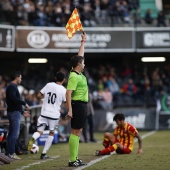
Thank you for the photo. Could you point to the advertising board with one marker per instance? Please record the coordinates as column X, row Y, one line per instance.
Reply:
column 52, row 39
column 7, row 38
column 153, row 39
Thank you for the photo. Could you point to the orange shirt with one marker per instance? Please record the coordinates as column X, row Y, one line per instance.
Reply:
column 126, row 135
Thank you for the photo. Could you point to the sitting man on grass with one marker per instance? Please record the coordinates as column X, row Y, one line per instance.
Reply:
column 122, row 140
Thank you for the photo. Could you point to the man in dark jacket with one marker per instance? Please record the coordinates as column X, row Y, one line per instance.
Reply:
column 14, row 111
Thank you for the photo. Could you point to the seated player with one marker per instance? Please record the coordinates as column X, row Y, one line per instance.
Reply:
column 122, row 140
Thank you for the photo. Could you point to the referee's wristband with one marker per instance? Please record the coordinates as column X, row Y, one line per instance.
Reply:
column 82, row 40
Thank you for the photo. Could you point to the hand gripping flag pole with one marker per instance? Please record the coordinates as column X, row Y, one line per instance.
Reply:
column 73, row 24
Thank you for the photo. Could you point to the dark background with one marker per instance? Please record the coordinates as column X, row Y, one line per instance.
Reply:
column 16, row 59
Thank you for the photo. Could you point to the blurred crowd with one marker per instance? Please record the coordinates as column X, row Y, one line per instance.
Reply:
column 57, row 12
column 110, row 86
column 128, row 85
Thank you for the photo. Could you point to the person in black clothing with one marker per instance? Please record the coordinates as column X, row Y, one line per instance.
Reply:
column 89, row 121
column 14, row 111
column 161, row 19
column 148, row 17
column 33, row 126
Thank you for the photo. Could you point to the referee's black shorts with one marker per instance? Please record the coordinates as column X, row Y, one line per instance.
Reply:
column 79, row 110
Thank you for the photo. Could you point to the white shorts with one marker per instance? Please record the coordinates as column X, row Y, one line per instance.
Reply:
column 43, row 122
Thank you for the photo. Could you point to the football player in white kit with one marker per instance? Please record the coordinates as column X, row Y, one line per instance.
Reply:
column 53, row 95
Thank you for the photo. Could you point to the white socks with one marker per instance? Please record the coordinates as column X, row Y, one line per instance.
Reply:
column 48, row 143
column 36, row 135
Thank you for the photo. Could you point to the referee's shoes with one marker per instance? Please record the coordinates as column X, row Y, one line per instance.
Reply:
column 76, row 163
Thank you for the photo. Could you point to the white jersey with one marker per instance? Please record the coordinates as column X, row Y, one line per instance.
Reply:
column 54, row 95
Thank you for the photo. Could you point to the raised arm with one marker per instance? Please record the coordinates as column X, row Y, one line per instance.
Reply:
column 81, row 49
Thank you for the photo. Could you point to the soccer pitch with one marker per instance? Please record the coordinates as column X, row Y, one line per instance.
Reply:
column 156, row 156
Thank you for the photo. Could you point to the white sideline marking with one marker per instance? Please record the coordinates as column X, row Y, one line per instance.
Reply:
column 36, row 163
column 106, row 156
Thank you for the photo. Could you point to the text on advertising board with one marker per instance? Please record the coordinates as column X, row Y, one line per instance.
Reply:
column 156, row 39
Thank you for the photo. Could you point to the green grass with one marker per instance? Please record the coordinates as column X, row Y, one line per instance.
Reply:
column 156, row 156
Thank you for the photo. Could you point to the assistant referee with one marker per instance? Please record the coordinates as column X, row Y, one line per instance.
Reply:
column 76, row 101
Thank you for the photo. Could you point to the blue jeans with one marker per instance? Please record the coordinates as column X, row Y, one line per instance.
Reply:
column 14, row 129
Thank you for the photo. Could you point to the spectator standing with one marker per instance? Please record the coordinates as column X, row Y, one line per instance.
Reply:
column 67, row 10
column 161, row 19
column 49, row 12
column 133, row 4
column 125, row 12
column 105, row 99
column 157, row 83
column 22, row 16
column 130, row 89
column 87, row 16
column 97, row 11
column 89, row 121
column 41, row 17
column 58, row 16
column 7, row 11
column 104, row 6
column 114, row 12
column 14, row 111
column 113, row 86
column 148, row 18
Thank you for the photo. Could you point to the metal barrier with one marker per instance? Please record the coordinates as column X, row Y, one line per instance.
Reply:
column 34, row 111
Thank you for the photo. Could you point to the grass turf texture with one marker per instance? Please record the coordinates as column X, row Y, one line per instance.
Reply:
column 156, row 156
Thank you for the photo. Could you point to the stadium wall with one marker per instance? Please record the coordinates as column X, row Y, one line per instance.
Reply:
column 141, row 118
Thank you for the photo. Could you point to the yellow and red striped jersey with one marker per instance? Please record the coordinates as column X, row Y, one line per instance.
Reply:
column 126, row 135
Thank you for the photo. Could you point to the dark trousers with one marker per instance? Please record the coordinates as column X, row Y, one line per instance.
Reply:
column 89, row 124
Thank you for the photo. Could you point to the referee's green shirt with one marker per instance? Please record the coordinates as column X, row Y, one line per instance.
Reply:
column 78, row 83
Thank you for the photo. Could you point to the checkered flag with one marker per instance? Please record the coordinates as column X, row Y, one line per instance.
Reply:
column 73, row 24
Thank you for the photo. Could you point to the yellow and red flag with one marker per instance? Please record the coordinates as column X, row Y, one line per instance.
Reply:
column 73, row 24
